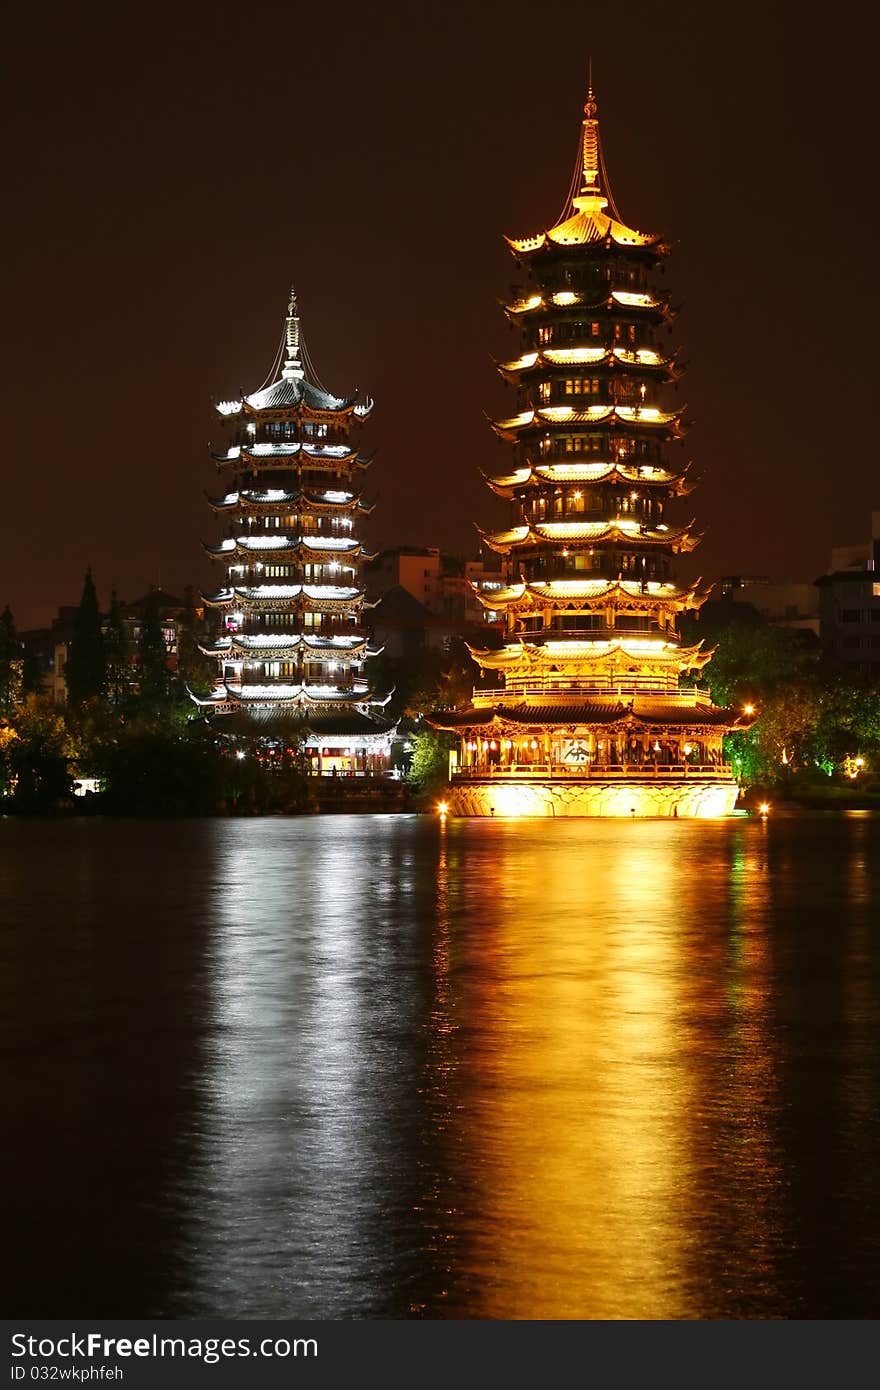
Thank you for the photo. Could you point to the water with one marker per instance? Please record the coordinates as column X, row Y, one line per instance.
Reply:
column 378, row 1067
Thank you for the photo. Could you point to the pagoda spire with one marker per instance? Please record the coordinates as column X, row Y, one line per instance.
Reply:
column 293, row 368
column 592, row 159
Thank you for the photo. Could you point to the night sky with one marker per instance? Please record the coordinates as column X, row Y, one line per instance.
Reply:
column 171, row 169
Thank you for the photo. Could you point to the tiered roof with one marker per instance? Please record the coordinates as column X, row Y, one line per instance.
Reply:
column 519, row 539
column 668, row 422
column 290, row 437
column 654, row 306
column 634, row 714
column 585, row 645
column 510, row 485
column 599, row 595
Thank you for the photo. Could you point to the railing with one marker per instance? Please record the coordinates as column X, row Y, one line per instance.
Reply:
column 356, row 774
column 589, row 771
column 566, row 693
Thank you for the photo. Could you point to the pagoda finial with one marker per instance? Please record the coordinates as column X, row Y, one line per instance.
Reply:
column 590, row 139
column 293, row 366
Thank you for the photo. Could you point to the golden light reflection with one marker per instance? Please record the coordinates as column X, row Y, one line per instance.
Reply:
column 742, row 1079
column 594, row 1120
column 578, row 1105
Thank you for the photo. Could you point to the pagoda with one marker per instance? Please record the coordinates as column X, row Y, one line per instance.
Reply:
column 291, row 639
column 591, row 714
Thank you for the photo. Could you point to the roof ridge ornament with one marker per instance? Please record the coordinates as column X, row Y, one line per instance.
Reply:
column 293, row 368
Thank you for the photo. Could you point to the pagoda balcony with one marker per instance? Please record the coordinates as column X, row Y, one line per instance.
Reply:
column 536, row 574
column 540, row 772
column 561, row 693
column 539, row 637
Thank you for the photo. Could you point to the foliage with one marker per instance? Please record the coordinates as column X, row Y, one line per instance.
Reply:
column 154, row 678
column 196, row 671
column 439, row 680
column 39, row 758
column 429, row 770
column 263, row 780
column 11, row 663
column 811, row 718
column 153, row 770
column 95, row 729
column 750, row 661
column 8, row 737
column 86, row 669
column 116, row 654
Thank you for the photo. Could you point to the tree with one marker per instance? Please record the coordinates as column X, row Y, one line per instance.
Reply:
column 441, row 680
column 11, row 663
column 154, row 771
column 116, row 653
column 8, row 738
column 155, row 683
column 750, row 660
column 86, row 669
column 40, row 757
column 430, row 760
column 196, row 671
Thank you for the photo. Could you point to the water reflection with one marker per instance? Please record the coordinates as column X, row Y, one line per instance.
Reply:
column 575, row 1106
column 314, row 1039
column 386, row 1066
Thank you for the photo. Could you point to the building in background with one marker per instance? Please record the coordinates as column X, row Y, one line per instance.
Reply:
column 781, row 603
column 849, row 605
column 49, row 647
column 292, row 640
column 425, row 598
column 591, row 718
column 446, row 585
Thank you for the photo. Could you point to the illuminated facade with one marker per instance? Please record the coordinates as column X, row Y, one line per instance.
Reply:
column 291, row 638
column 593, row 717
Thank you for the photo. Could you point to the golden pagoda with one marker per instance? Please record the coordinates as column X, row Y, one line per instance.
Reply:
column 592, row 713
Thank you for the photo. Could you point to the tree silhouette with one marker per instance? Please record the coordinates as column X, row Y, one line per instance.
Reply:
column 86, row 669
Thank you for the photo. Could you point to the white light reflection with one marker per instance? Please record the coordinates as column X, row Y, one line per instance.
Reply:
column 301, row 1136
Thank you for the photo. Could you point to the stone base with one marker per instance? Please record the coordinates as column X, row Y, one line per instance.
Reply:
column 595, row 797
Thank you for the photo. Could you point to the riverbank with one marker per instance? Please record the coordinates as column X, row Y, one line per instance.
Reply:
column 317, row 796
column 814, row 797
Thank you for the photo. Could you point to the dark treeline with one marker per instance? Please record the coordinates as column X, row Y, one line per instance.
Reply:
column 129, row 728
